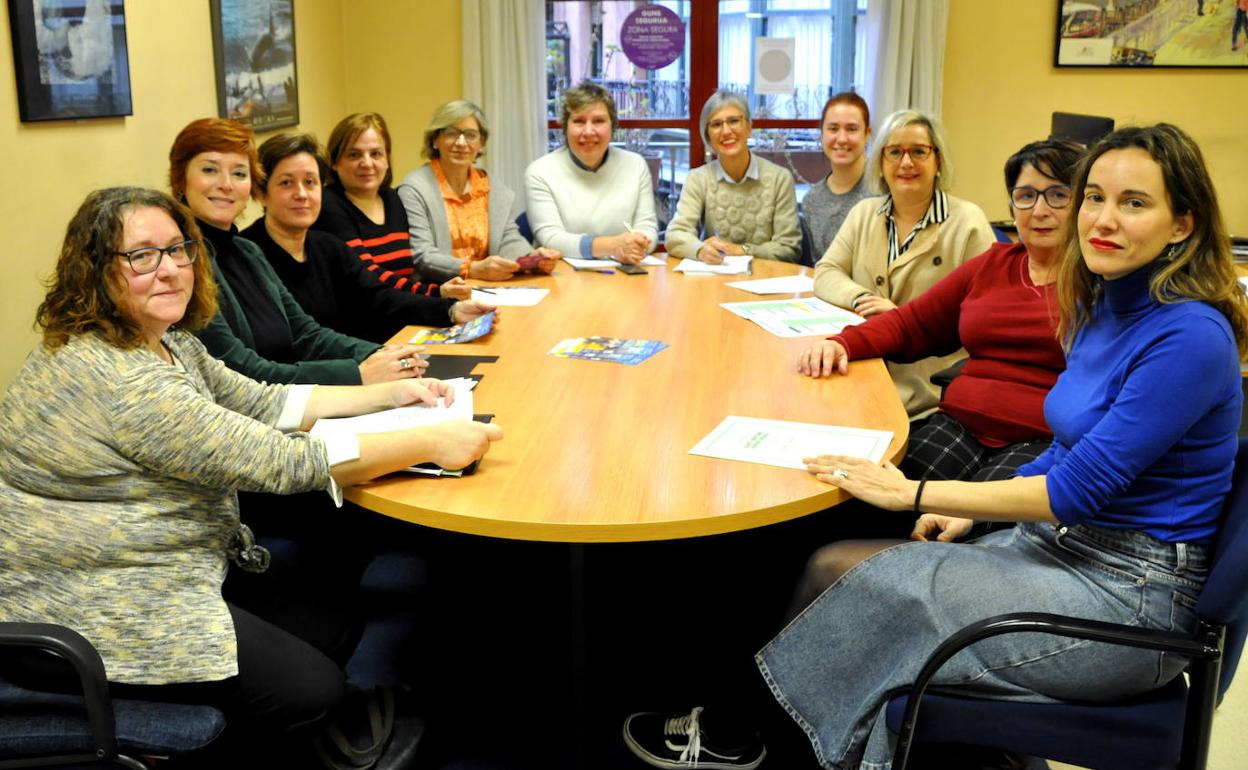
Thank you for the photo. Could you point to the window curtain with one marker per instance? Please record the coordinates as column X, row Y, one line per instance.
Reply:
column 505, row 73
column 907, row 71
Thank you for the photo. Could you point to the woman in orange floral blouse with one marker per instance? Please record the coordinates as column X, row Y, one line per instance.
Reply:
column 462, row 222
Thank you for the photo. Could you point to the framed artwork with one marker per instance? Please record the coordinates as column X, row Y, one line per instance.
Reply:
column 253, row 45
column 70, row 59
column 1152, row 33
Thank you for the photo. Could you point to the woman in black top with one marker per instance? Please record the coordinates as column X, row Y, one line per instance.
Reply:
column 330, row 283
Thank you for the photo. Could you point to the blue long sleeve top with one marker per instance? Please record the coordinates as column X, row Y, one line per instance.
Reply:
column 1145, row 417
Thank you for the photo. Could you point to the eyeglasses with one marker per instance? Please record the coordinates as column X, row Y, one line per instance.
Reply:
column 733, row 123
column 1057, row 196
column 917, row 152
column 148, row 258
column 454, row 134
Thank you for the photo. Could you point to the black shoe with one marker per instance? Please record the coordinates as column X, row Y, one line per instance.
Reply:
column 663, row 740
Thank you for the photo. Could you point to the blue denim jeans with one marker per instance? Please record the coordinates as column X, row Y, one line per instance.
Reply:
column 864, row 639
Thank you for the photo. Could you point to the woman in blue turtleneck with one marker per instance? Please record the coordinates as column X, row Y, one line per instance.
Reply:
column 1117, row 519
column 260, row 330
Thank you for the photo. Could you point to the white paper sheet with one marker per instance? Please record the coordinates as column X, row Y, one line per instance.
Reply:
column 730, row 266
column 510, row 296
column 653, row 261
column 783, row 443
column 591, row 264
column 802, row 317
column 403, row 417
column 784, row 284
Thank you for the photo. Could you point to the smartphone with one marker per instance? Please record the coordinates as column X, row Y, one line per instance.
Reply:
column 633, row 270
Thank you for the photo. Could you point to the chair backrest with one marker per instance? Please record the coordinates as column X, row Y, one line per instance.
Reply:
column 1224, row 599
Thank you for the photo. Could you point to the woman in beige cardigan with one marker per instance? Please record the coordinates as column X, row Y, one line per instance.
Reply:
column 894, row 248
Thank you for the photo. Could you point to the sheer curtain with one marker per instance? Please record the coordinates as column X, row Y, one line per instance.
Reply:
column 505, row 73
column 908, row 37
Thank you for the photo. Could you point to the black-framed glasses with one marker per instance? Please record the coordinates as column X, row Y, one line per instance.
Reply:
column 147, row 259
column 1024, row 197
column 893, row 153
column 452, row 133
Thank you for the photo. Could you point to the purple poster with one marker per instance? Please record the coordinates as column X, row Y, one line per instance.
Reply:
column 652, row 37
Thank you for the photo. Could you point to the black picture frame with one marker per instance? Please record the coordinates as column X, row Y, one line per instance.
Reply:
column 253, row 48
column 71, row 59
column 1144, row 34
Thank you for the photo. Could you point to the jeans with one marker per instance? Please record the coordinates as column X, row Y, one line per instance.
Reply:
column 864, row 639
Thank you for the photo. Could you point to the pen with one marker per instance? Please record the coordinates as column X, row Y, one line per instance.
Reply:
column 484, row 290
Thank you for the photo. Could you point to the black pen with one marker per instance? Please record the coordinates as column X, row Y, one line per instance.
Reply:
column 483, row 289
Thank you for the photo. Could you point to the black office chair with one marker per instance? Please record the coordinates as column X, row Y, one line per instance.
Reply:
column 41, row 729
column 1168, row 729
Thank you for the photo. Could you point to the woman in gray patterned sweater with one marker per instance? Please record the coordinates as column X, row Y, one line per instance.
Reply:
column 122, row 444
column 738, row 203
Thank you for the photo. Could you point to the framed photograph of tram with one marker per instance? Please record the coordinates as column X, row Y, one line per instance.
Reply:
column 253, row 45
column 1152, row 33
column 70, row 59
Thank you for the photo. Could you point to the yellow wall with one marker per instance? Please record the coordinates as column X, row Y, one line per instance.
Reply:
column 1001, row 87
column 405, row 59
column 49, row 167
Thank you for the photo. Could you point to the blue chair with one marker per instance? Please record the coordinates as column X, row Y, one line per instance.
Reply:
column 40, row 729
column 1168, row 729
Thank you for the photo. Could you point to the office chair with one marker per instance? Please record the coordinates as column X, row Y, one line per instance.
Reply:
column 41, row 729
column 1167, row 729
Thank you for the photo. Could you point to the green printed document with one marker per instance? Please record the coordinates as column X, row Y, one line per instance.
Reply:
column 783, row 443
column 806, row 317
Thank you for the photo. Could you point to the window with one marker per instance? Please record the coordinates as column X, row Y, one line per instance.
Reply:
column 659, row 109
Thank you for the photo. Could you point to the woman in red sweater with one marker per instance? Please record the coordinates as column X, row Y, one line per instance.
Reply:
column 1000, row 307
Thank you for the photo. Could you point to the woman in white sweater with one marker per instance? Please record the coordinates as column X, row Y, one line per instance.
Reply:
column 741, row 203
column 589, row 199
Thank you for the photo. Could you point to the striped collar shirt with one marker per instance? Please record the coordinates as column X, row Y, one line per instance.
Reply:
column 936, row 213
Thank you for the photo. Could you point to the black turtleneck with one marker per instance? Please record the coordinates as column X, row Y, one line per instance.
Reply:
column 269, row 325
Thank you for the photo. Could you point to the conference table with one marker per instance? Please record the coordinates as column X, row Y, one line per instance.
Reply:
column 597, row 452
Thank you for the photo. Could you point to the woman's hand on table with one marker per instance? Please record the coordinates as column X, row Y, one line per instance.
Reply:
column 456, row 288
column 421, row 391
column 882, row 486
column 492, row 268
column 946, row 529
column 870, row 305
column 468, row 309
column 455, row 444
column 714, row 249
column 823, row 359
column 547, row 259
column 627, row 248
column 392, row 362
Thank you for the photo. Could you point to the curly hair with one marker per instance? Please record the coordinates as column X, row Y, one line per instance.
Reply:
column 1198, row 268
column 82, row 291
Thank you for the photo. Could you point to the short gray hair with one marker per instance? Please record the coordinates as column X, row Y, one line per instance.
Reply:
column 448, row 115
column 716, row 102
column 899, row 120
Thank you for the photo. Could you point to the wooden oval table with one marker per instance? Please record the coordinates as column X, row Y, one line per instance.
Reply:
column 597, row 452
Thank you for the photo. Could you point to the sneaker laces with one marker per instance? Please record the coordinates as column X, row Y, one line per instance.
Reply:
column 687, row 726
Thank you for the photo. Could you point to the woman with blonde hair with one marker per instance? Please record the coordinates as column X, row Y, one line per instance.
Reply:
column 893, row 249
column 462, row 222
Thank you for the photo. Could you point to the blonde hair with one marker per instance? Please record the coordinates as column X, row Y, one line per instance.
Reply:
column 448, row 115
column 899, row 120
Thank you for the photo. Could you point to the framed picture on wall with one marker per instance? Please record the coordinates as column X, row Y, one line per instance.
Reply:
column 1152, row 33
column 253, row 45
column 70, row 59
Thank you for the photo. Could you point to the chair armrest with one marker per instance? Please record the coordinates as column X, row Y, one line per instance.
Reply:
column 80, row 654
column 946, row 375
column 1206, row 646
